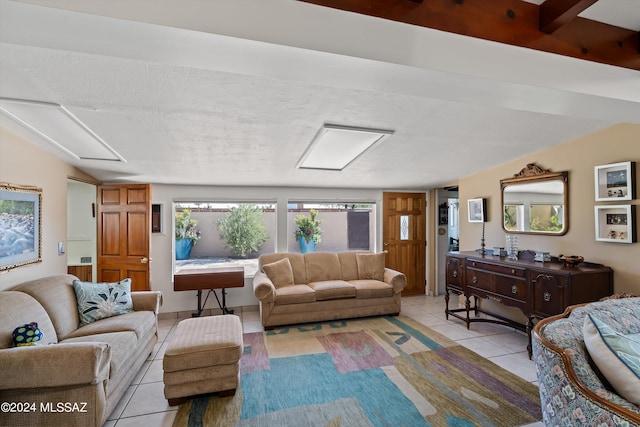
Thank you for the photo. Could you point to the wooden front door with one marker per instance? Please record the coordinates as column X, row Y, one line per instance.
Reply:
column 124, row 227
column 404, row 237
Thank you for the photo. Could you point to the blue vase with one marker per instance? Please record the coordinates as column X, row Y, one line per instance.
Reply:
column 307, row 246
column 183, row 248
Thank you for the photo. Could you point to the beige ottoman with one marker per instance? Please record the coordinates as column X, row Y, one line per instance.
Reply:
column 203, row 357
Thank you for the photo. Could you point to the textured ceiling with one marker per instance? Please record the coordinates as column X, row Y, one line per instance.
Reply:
column 237, row 102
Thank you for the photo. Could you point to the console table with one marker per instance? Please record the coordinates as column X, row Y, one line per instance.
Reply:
column 538, row 289
column 198, row 279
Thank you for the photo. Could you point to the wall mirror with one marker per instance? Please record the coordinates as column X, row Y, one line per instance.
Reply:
column 535, row 201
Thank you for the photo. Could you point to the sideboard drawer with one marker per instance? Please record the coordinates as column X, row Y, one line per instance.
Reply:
column 511, row 287
column 500, row 269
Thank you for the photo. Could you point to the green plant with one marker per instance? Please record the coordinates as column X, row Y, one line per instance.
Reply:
column 308, row 227
column 510, row 217
column 243, row 230
column 186, row 227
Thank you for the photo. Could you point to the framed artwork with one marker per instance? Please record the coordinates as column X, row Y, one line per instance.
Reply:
column 615, row 223
column 615, row 181
column 477, row 210
column 443, row 214
column 20, row 222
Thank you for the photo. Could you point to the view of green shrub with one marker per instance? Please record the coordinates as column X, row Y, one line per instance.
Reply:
column 242, row 230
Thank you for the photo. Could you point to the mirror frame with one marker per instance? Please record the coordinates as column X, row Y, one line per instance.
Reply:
column 530, row 174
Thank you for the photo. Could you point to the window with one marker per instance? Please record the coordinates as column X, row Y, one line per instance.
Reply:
column 345, row 226
column 229, row 233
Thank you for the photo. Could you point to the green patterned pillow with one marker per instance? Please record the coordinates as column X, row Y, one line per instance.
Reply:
column 616, row 355
column 101, row 300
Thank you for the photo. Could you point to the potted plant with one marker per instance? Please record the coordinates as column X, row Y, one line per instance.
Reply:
column 308, row 232
column 187, row 234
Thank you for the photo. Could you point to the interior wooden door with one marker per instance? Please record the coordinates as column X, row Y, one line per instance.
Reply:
column 124, row 227
column 404, row 237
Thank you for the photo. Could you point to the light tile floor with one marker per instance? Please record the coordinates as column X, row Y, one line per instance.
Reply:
column 144, row 402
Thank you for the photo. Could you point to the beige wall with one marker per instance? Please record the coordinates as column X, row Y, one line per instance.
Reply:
column 615, row 144
column 22, row 163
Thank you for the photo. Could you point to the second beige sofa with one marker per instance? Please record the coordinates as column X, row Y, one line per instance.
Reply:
column 301, row 288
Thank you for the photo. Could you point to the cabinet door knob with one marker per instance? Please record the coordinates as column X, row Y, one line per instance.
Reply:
column 475, row 279
column 547, row 296
column 514, row 289
column 455, row 273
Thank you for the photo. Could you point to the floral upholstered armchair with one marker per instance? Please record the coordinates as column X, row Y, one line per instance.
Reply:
column 573, row 390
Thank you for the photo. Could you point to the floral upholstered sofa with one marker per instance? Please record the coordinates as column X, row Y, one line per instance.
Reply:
column 574, row 391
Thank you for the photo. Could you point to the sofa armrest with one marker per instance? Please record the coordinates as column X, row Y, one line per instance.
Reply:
column 396, row 279
column 62, row 364
column 263, row 287
column 147, row 301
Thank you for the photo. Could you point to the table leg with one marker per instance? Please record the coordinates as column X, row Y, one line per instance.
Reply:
column 199, row 312
column 223, row 306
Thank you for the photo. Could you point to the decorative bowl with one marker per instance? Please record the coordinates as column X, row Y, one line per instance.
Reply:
column 571, row 259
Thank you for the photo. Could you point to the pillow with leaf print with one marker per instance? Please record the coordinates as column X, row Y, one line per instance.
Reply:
column 101, row 300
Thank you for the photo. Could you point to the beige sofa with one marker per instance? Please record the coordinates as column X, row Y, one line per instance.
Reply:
column 301, row 288
column 75, row 376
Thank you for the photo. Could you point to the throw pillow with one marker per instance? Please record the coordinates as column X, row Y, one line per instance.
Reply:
column 280, row 273
column 616, row 355
column 371, row 266
column 101, row 300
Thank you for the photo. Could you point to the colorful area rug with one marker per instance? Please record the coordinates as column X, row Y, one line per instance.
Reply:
column 384, row 371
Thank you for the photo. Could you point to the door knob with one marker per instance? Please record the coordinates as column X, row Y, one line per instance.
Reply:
column 144, row 260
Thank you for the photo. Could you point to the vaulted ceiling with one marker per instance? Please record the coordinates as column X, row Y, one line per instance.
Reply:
column 231, row 92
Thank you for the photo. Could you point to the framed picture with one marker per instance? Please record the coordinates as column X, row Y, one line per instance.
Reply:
column 615, row 181
column 20, row 222
column 615, row 223
column 443, row 214
column 477, row 210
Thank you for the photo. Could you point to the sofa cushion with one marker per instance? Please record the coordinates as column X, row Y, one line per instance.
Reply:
column 372, row 288
column 280, row 273
column 349, row 265
column 101, row 300
column 322, row 266
column 332, row 289
column 616, row 355
column 296, row 260
column 371, row 266
column 296, row 294
column 18, row 308
column 139, row 322
column 122, row 344
column 57, row 297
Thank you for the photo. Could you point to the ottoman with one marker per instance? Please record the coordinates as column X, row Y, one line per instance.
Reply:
column 203, row 357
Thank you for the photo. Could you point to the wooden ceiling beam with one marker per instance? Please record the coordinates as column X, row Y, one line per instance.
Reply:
column 556, row 13
column 514, row 22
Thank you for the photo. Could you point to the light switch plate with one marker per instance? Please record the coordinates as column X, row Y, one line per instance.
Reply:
column 60, row 248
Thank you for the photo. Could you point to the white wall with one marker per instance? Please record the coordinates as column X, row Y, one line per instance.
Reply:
column 22, row 163
column 162, row 243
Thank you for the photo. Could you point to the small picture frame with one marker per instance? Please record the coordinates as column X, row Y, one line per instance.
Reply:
column 614, row 182
column 477, row 210
column 614, row 223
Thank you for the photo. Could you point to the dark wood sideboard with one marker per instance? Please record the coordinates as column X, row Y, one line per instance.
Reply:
column 538, row 289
